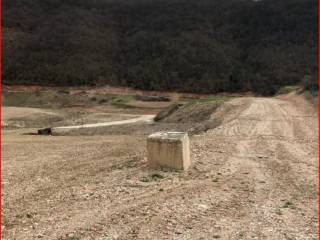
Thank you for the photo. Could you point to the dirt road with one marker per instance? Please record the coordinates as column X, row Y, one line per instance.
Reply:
column 142, row 118
column 253, row 177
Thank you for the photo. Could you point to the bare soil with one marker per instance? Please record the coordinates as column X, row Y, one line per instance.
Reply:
column 113, row 90
column 26, row 117
column 253, row 177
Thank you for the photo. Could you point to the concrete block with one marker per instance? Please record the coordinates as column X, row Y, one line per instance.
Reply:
column 169, row 149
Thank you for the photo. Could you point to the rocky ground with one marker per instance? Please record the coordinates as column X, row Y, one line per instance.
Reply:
column 253, row 177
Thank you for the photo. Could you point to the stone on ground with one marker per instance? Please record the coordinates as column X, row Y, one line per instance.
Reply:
column 169, row 149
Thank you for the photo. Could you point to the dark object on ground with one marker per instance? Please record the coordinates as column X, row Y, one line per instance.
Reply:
column 101, row 101
column 63, row 91
column 152, row 98
column 45, row 131
column 167, row 112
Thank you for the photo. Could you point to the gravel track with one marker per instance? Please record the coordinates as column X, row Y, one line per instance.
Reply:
column 253, row 177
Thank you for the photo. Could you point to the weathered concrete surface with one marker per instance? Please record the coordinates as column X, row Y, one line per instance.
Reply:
column 143, row 118
column 169, row 149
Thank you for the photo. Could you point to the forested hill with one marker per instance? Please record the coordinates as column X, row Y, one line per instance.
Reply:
column 184, row 45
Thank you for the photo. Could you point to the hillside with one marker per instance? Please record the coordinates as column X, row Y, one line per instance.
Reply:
column 184, row 45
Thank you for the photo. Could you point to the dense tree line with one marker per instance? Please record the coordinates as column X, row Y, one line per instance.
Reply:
column 185, row 45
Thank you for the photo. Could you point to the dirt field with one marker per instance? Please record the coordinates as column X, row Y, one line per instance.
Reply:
column 253, row 177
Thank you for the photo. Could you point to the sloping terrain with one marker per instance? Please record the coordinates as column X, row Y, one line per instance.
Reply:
column 253, row 177
column 186, row 45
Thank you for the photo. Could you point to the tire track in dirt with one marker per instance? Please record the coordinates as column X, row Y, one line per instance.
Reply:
column 270, row 163
column 253, row 177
